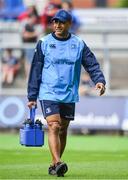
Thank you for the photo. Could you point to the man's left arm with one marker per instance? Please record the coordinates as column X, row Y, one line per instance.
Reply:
column 92, row 66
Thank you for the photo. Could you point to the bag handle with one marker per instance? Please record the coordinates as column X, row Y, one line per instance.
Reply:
column 32, row 113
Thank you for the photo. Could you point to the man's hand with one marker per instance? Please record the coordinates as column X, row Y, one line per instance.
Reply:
column 32, row 103
column 101, row 88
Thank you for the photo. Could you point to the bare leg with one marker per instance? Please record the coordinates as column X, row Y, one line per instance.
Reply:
column 4, row 73
column 53, row 122
column 4, row 77
column 10, row 77
column 63, row 134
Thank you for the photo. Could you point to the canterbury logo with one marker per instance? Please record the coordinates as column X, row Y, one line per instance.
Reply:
column 52, row 45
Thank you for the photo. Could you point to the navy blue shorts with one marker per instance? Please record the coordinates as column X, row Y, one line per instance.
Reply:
column 66, row 110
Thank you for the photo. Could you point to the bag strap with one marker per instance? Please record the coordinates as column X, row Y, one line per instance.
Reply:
column 32, row 114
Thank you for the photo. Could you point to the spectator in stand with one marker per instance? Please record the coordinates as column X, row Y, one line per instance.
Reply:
column 10, row 67
column 67, row 5
column 30, row 34
column 10, row 9
column 30, row 10
column 49, row 11
column 1, row 4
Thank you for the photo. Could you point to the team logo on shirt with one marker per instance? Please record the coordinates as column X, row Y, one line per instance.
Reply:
column 48, row 110
column 52, row 45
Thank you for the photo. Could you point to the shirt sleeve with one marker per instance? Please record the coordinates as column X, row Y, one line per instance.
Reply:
column 92, row 66
column 35, row 73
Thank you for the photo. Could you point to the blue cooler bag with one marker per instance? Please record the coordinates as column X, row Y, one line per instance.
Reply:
column 32, row 133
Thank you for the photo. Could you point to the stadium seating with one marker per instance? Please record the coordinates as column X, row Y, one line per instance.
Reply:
column 106, row 34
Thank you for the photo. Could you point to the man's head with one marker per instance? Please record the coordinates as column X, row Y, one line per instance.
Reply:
column 62, row 22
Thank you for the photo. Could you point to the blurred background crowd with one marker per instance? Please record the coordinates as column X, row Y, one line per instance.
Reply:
column 23, row 22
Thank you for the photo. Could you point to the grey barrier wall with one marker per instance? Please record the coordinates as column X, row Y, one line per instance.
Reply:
column 91, row 112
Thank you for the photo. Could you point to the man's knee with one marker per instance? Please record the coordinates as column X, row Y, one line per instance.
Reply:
column 54, row 126
column 53, row 123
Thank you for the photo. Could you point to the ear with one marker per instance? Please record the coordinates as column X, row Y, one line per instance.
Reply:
column 69, row 23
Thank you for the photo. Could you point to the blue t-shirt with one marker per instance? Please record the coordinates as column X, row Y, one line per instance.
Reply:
column 61, row 61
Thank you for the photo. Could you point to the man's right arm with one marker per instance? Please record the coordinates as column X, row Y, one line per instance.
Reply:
column 35, row 74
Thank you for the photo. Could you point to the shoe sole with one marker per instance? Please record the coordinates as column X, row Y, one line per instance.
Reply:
column 61, row 169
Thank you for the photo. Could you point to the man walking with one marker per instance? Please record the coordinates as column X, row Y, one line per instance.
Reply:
column 54, row 80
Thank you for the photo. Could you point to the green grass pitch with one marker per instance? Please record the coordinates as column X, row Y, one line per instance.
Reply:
column 88, row 157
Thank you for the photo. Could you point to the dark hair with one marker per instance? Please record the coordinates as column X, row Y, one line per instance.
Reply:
column 69, row 4
column 34, row 11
